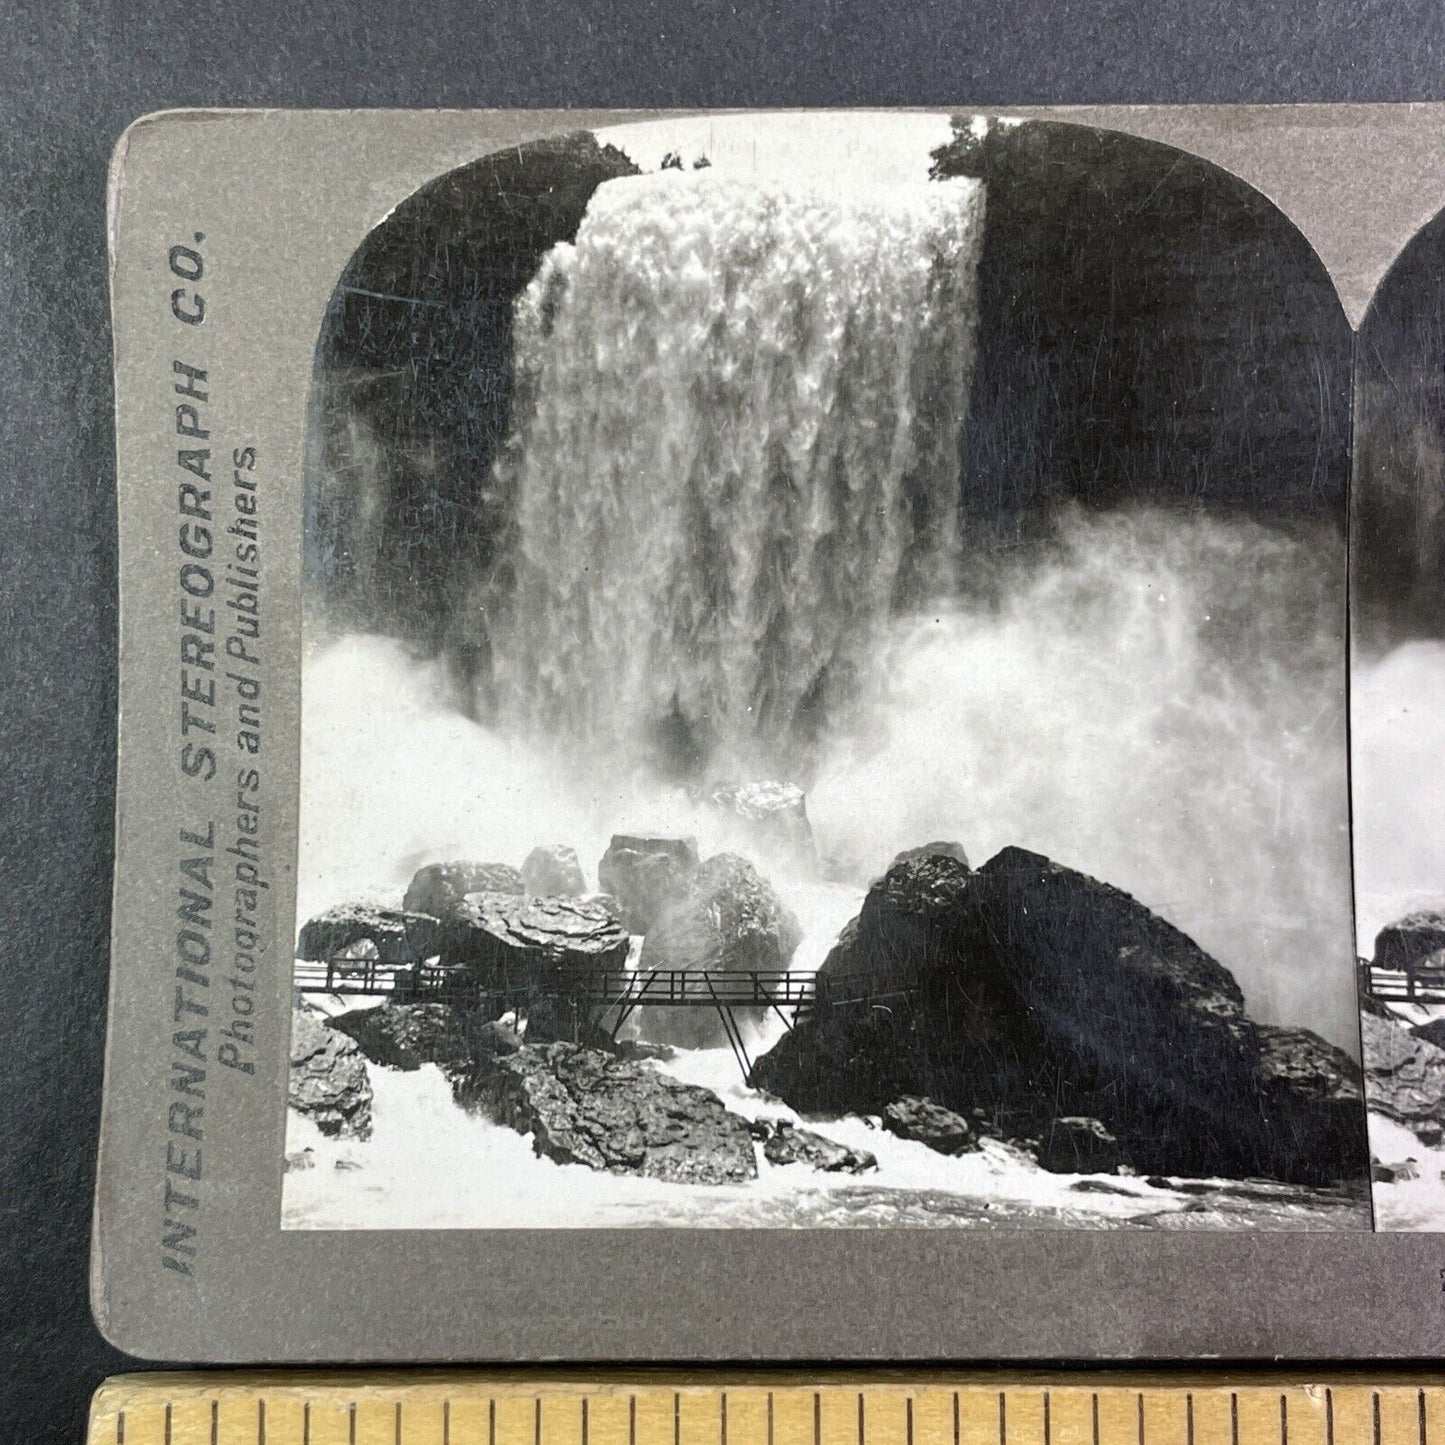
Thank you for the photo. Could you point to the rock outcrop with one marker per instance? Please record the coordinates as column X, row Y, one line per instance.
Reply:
column 553, row 872
column 1073, row 1145
column 932, row 850
column 398, row 937
column 1310, row 1098
column 328, row 1081
column 643, row 874
column 1433, row 1032
column 1410, row 941
column 406, row 1035
column 729, row 918
column 425, row 426
column 1404, row 1073
column 536, row 955
column 439, row 888
column 1036, row 992
column 1398, row 1173
column 495, row 1037
column 582, row 1106
column 788, row 1144
column 1135, row 382
column 769, row 816
column 925, row 1122
column 502, row 934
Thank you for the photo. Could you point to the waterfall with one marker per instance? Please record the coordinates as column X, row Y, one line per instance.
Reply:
column 735, row 457
column 732, row 484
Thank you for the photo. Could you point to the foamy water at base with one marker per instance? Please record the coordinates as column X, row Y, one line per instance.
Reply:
column 1411, row 1203
column 431, row 1165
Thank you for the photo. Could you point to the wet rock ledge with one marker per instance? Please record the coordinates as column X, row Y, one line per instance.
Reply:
column 582, row 1106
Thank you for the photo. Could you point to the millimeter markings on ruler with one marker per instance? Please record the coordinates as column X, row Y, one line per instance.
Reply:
column 413, row 1408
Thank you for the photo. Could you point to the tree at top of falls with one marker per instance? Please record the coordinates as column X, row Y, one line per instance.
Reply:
column 735, row 455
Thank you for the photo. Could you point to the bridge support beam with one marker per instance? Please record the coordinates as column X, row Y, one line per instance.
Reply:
column 734, row 1033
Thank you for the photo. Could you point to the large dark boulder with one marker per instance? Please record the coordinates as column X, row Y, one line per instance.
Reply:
column 1410, row 941
column 328, row 1082
column 439, row 888
column 406, row 1035
column 643, row 874
column 553, row 872
column 514, row 935
column 398, row 937
column 848, row 1058
column 1404, row 1073
column 1126, row 994
column 582, row 1106
column 785, row 1143
column 539, row 956
column 730, row 919
column 925, row 1122
column 1038, row 993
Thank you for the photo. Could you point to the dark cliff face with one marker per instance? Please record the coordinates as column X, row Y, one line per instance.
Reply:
column 1151, row 330
column 413, row 383
column 1398, row 538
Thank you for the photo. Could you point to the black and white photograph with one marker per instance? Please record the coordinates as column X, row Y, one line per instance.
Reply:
column 824, row 696
column 1398, row 733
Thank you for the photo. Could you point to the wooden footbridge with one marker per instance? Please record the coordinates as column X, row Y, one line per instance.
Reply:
column 617, row 992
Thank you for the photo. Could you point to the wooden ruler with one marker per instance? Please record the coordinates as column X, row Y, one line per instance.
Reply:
column 703, row 1408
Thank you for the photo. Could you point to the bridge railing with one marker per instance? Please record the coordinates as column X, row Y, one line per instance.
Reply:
column 1421, row 984
column 369, row 976
column 675, row 985
column 606, row 988
column 684, row 987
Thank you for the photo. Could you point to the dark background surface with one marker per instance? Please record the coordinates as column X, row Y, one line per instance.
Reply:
column 72, row 75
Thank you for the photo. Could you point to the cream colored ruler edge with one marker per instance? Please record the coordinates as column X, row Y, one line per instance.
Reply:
column 723, row 1408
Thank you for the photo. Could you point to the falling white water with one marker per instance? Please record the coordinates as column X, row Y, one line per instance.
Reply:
column 735, row 454
column 1397, row 704
column 736, row 468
